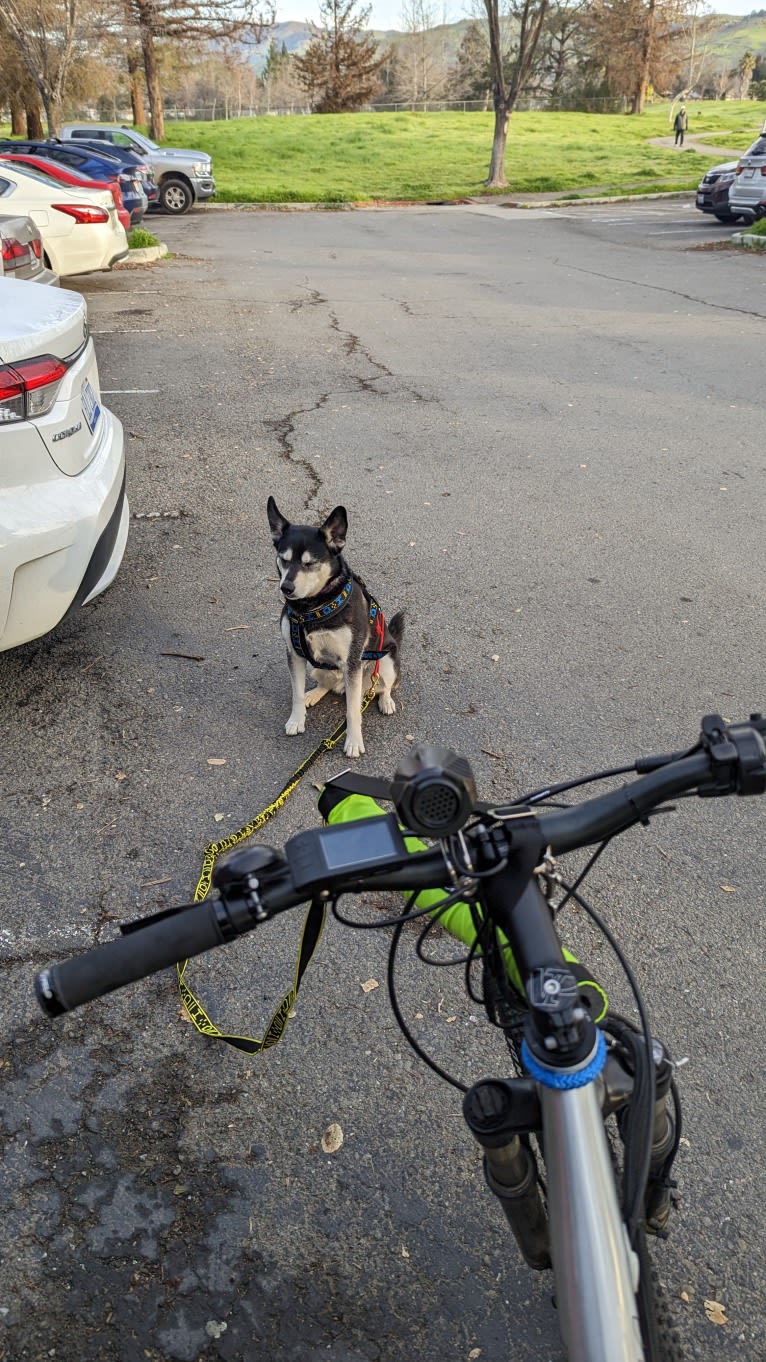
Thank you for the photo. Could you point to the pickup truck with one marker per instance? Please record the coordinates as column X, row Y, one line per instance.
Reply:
column 184, row 177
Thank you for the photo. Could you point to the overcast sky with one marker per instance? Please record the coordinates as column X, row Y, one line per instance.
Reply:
column 388, row 13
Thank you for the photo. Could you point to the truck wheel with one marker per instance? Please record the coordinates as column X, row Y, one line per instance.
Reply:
column 175, row 196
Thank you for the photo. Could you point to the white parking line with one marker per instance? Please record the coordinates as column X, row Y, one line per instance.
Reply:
column 674, row 231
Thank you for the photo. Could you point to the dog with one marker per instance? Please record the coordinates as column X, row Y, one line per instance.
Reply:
column 332, row 624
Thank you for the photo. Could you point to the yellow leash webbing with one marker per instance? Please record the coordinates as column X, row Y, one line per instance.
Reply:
column 312, row 926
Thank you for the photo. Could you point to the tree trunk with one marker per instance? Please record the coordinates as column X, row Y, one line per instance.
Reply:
column 496, row 176
column 52, row 109
column 151, row 71
column 35, row 131
column 645, row 60
column 136, row 93
column 17, row 116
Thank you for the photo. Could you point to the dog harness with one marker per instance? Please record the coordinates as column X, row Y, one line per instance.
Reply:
column 310, row 614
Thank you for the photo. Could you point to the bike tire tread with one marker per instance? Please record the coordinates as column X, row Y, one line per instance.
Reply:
column 662, row 1340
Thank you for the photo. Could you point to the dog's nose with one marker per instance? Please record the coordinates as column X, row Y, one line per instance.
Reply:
column 288, row 588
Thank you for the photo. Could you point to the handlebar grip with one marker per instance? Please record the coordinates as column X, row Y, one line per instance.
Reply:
column 186, row 932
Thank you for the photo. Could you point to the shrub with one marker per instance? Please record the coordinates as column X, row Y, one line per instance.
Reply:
column 139, row 238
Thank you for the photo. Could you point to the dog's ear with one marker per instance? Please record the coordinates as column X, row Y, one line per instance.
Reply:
column 277, row 522
column 335, row 527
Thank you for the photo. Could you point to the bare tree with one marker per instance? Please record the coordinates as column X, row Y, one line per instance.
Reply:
column 43, row 33
column 511, row 70
column 421, row 68
column 184, row 20
column 133, row 62
column 18, row 91
column 639, row 42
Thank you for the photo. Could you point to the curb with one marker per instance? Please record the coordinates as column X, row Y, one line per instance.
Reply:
column 143, row 255
column 583, row 202
column 498, row 201
column 753, row 243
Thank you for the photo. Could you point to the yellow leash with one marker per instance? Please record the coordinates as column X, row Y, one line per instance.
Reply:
column 312, row 926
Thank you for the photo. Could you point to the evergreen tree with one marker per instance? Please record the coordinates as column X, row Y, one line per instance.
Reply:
column 471, row 74
column 340, row 69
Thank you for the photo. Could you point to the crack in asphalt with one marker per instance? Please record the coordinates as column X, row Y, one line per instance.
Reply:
column 284, row 429
column 662, row 288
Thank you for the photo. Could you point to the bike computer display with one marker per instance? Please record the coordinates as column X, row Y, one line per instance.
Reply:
column 365, row 845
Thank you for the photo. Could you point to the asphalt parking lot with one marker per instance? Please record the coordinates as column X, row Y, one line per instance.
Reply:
column 542, row 425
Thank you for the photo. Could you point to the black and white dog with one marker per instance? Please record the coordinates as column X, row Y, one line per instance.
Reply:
column 331, row 623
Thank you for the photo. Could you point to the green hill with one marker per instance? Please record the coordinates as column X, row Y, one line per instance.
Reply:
column 729, row 41
column 737, row 36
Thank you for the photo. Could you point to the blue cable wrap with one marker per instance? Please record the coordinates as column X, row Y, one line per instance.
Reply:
column 565, row 1080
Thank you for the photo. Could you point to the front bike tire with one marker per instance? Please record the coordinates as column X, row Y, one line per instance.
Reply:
column 660, row 1337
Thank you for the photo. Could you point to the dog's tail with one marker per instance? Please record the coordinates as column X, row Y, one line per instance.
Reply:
column 395, row 629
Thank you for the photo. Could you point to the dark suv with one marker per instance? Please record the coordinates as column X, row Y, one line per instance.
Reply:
column 713, row 192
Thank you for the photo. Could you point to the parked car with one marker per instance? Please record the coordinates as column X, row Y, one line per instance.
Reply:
column 130, row 162
column 184, row 177
column 21, row 251
column 63, row 510
column 713, row 192
column 79, row 227
column 134, row 177
column 63, row 176
column 747, row 195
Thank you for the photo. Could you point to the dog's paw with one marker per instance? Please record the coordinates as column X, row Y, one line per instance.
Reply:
column 294, row 726
column 386, row 703
column 314, row 696
column 353, row 747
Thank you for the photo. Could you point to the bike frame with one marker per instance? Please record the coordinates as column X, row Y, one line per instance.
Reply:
column 596, row 1271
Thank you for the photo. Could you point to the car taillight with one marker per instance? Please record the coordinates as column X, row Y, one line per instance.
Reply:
column 82, row 212
column 29, row 389
column 15, row 255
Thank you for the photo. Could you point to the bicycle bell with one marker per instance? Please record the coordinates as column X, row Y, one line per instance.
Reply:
column 434, row 791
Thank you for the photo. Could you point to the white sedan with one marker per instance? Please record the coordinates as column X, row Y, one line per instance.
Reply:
column 79, row 227
column 63, row 510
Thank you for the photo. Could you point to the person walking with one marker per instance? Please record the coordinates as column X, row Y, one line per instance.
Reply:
column 681, row 123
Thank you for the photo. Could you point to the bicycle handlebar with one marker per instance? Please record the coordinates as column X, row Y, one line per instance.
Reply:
column 257, row 883
column 183, row 933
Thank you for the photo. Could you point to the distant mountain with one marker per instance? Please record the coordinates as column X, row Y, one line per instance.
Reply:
column 735, row 36
column 738, row 35
column 296, row 37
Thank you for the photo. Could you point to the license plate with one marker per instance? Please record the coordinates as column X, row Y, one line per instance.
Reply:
column 90, row 408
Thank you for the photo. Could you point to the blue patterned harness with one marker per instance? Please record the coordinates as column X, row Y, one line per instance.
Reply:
column 317, row 610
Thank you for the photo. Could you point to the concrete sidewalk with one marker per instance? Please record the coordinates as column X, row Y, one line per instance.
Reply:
column 692, row 143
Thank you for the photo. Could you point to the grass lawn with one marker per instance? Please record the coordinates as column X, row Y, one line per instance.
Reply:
column 337, row 158
column 344, row 158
